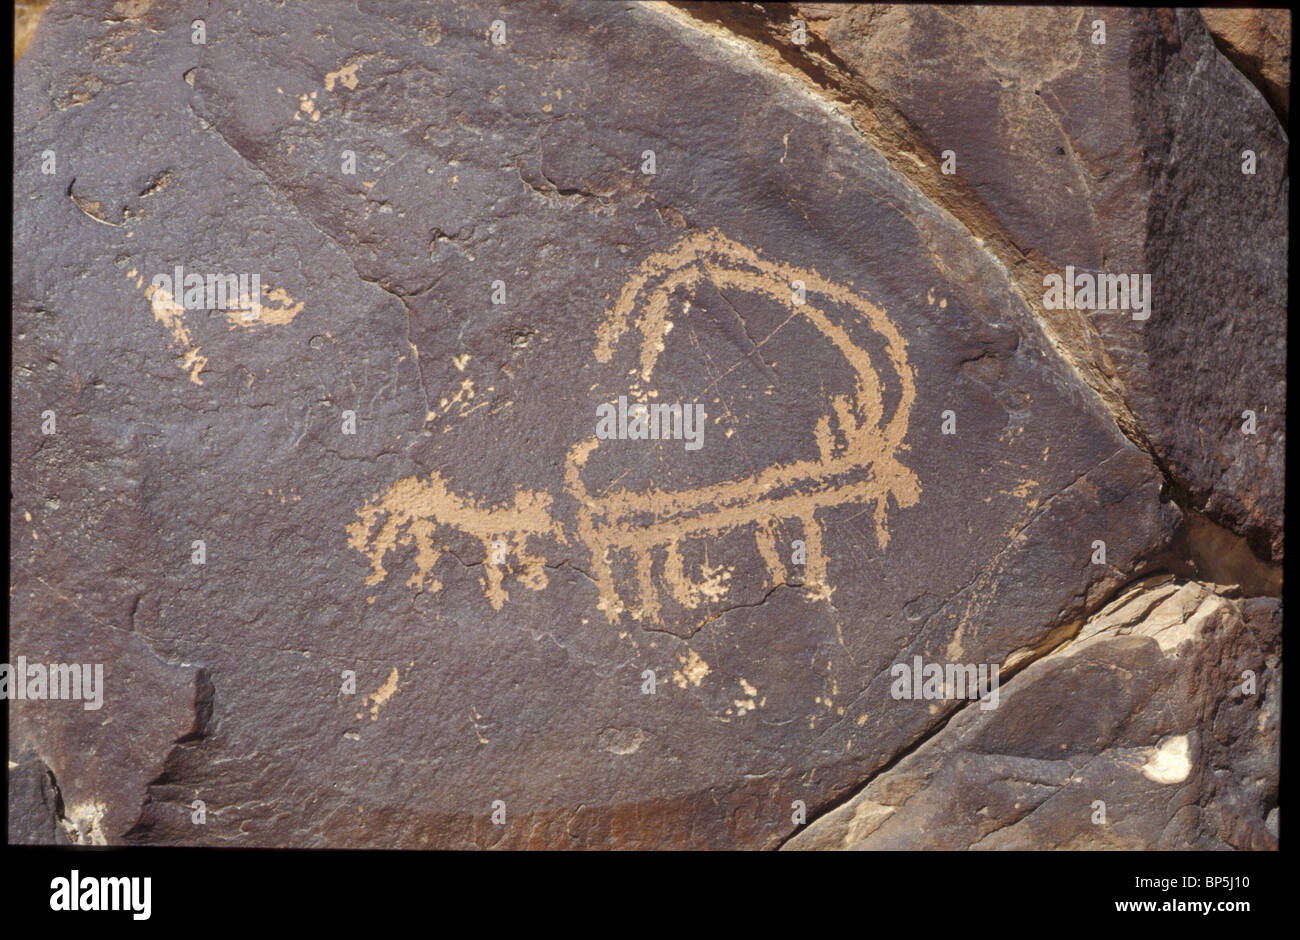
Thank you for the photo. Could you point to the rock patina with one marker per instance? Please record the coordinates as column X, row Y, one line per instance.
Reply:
column 437, row 609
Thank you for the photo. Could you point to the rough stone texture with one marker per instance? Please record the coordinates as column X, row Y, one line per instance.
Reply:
column 1168, row 742
column 1259, row 43
column 1082, row 154
column 35, row 806
column 498, row 579
column 27, row 14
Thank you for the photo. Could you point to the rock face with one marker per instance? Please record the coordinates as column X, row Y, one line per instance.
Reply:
column 27, row 14
column 1259, row 43
column 1071, row 152
column 372, row 547
column 1169, row 754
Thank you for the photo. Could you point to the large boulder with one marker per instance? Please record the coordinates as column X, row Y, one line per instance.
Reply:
column 374, row 554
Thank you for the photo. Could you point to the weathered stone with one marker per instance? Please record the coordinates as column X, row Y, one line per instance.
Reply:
column 1259, row 43
column 27, row 14
column 35, row 806
column 1143, row 712
column 1073, row 153
column 499, row 578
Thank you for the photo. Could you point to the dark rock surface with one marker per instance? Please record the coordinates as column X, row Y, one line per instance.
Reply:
column 1072, row 152
column 500, row 580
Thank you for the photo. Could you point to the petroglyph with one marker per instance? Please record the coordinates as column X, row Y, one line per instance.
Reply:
column 857, row 462
column 275, row 308
column 413, row 508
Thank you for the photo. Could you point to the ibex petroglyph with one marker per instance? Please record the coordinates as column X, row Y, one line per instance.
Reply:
column 857, row 461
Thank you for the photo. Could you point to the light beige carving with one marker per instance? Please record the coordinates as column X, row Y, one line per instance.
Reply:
column 857, row 463
column 276, row 309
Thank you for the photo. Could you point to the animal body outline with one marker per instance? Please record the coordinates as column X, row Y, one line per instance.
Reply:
column 858, row 460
